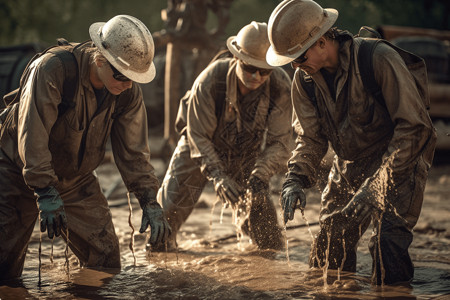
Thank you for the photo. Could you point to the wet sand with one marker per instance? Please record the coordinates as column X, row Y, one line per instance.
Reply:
column 211, row 264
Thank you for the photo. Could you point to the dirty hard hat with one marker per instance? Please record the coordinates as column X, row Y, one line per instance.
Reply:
column 128, row 45
column 250, row 45
column 294, row 26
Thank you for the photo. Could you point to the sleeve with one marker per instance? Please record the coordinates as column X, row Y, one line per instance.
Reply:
column 202, row 123
column 279, row 141
column 38, row 111
column 129, row 140
column 311, row 143
column 414, row 134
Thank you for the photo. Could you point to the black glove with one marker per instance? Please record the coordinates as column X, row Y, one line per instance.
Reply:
column 257, row 186
column 360, row 207
column 51, row 211
column 292, row 192
column 153, row 215
column 228, row 190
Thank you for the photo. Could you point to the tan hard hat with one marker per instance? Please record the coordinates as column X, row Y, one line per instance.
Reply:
column 294, row 26
column 250, row 45
column 128, row 45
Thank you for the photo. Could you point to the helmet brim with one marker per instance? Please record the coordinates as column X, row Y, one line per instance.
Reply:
column 245, row 57
column 276, row 59
column 139, row 77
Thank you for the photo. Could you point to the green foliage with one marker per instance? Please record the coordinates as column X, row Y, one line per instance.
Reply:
column 26, row 21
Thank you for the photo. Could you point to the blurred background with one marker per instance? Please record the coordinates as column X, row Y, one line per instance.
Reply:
column 188, row 33
column 25, row 21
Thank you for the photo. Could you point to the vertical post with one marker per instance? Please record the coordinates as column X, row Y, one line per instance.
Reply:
column 171, row 94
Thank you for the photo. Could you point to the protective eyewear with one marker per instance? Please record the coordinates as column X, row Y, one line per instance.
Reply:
column 117, row 75
column 252, row 70
column 301, row 59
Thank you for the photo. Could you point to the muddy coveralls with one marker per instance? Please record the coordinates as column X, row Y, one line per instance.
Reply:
column 231, row 142
column 39, row 148
column 383, row 149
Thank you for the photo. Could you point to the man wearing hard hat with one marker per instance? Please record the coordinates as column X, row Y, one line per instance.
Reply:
column 383, row 148
column 48, row 158
column 237, row 136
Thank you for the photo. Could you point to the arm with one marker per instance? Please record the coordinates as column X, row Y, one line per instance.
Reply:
column 202, row 123
column 38, row 112
column 201, row 126
column 311, row 147
column 129, row 139
column 279, row 140
column 311, row 143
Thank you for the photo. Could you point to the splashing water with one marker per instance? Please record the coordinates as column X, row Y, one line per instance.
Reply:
column 130, row 223
column 225, row 272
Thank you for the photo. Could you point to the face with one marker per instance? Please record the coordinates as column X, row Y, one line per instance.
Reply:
column 250, row 76
column 112, row 79
column 311, row 61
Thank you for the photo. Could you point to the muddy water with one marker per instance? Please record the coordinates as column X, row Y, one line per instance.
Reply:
column 211, row 264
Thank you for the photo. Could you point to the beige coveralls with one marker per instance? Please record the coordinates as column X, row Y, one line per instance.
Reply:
column 231, row 143
column 380, row 148
column 40, row 148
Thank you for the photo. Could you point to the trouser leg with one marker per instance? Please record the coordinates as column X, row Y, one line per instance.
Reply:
column 18, row 214
column 92, row 236
column 392, row 233
column 337, row 240
column 181, row 187
column 263, row 224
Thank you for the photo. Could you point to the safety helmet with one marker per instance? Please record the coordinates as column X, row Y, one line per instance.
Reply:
column 294, row 26
column 128, row 45
column 251, row 44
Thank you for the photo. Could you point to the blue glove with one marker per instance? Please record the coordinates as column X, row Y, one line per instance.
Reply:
column 291, row 194
column 51, row 211
column 153, row 216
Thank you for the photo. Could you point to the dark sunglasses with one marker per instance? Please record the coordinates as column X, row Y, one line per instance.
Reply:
column 117, row 75
column 301, row 59
column 252, row 69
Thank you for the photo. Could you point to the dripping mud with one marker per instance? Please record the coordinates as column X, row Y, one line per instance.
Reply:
column 213, row 262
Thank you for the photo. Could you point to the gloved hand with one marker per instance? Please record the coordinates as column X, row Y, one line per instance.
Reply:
column 153, row 215
column 291, row 194
column 51, row 211
column 257, row 186
column 359, row 208
column 228, row 190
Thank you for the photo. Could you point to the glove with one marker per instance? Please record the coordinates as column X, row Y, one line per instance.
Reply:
column 359, row 208
column 153, row 215
column 228, row 190
column 292, row 192
column 257, row 186
column 51, row 211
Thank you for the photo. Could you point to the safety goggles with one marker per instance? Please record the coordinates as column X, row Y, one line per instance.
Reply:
column 117, row 75
column 252, row 69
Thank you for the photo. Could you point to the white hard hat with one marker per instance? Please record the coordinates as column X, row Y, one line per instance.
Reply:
column 128, row 45
column 294, row 26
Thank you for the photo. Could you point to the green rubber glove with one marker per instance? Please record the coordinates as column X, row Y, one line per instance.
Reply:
column 292, row 196
column 153, row 216
column 51, row 211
